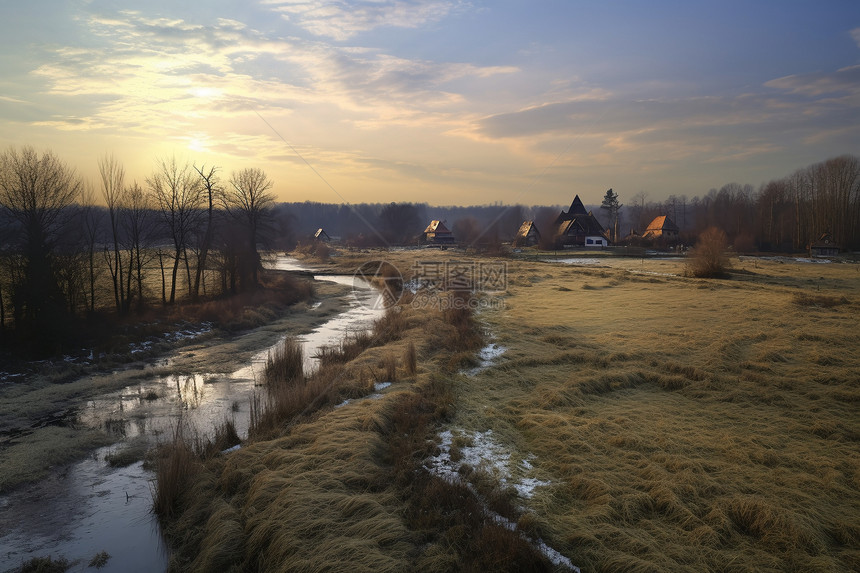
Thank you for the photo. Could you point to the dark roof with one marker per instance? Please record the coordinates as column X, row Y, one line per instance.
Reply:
column 581, row 225
column 577, row 208
column 824, row 241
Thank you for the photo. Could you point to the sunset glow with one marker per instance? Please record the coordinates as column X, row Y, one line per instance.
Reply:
column 441, row 101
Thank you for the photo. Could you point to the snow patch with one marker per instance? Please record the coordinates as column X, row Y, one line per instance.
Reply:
column 377, row 389
column 576, row 261
column 786, row 259
column 487, row 356
column 486, row 454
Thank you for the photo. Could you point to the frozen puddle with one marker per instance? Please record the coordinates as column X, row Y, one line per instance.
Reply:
column 484, row 453
column 487, row 357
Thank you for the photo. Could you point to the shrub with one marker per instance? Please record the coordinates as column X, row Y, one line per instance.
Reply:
column 708, row 258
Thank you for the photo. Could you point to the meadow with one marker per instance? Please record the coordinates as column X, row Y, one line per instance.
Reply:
column 700, row 425
column 669, row 424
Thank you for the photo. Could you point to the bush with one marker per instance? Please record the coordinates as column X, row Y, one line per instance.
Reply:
column 708, row 258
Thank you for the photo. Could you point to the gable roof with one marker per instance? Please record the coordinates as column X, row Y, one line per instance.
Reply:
column 825, row 241
column 437, row 227
column 582, row 225
column 526, row 228
column 662, row 223
column 576, row 207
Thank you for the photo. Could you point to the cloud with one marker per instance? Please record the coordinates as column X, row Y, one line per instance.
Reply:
column 845, row 80
column 342, row 20
column 157, row 71
column 855, row 33
column 812, row 109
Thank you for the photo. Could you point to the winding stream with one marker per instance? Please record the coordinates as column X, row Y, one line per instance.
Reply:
column 92, row 507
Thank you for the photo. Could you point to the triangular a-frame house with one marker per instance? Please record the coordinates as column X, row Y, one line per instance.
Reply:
column 577, row 227
column 527, row 235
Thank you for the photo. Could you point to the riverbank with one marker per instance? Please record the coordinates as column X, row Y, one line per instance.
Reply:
column 622, row 415
column 40, row 431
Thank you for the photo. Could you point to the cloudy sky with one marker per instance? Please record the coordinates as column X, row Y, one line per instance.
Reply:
column 443, row 101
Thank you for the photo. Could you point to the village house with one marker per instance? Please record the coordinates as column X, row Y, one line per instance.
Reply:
column 527, row 235
column 321, row 235
column 437, row 233
column 663, row 229
column 577, row 227
column 824, row 247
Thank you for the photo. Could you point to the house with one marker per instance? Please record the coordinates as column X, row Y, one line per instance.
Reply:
column 824, row 247
column 662, row 227
column 321, row 235
column 527, row 235
column 437, row 233
column 577, row 227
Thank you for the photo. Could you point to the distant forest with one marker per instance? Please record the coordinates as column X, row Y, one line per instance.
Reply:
column 70, row 247
column 783, row 215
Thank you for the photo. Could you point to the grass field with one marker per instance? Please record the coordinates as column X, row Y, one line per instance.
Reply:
column 684, row 424
column 670, row 424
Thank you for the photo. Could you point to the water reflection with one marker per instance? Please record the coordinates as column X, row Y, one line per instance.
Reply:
column 93, row 507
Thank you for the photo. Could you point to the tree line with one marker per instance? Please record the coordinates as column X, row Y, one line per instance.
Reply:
column 67, row 244
column 63, row 239
column 783, row 215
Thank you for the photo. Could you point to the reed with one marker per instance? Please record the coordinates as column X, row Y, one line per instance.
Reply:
column 176, row 469
column 285, row 365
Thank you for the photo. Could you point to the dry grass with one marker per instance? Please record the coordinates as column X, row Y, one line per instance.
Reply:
column 175, row 472
column 343, row 489
column 682, row 425
column 684, row 428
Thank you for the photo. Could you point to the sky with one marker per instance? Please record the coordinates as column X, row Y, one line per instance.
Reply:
column 441, row 101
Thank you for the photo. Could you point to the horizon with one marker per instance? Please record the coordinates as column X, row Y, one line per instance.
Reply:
column 441, row 102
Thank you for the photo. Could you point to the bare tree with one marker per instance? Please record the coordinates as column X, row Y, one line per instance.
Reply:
column 210, row 183
column 91, row 224
column 179, row 196
column 35, row 191
column 138, row 230
column 113, row 192
column 248, row 201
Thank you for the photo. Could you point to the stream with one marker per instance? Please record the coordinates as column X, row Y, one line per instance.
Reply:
column 90, row 507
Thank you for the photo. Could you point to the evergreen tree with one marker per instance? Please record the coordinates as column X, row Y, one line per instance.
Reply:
column 613, row 207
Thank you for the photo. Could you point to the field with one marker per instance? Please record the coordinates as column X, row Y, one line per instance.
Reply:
column 661, row 423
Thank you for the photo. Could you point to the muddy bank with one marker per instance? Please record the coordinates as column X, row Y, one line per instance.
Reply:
column 101, row 504
column 40, row 430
